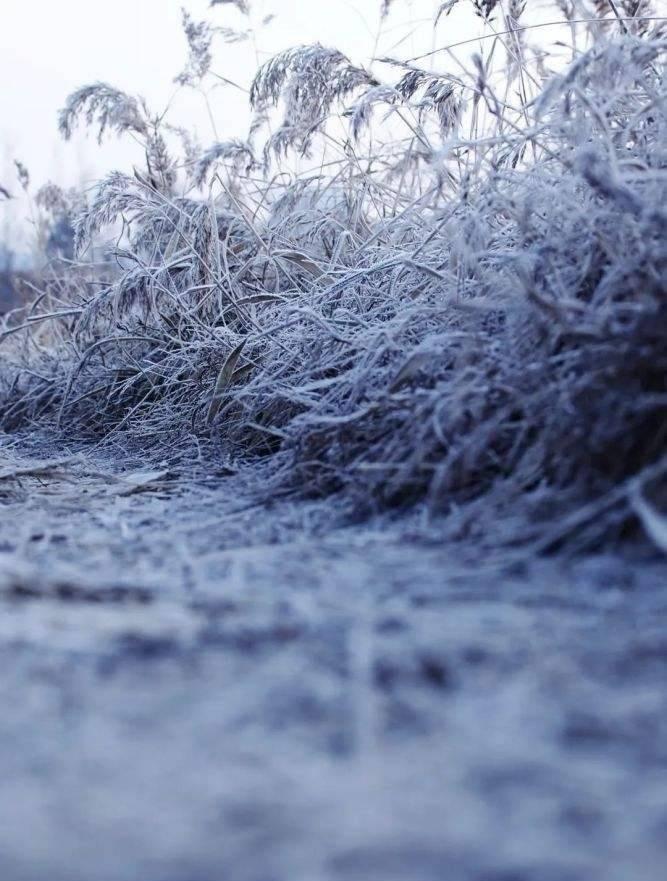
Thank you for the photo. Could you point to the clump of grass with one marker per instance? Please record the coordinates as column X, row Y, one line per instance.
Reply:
column 464, row 305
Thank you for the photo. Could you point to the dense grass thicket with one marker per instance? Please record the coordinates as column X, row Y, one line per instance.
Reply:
column 459, row 299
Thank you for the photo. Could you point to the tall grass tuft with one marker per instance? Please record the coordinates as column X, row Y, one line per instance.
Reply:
column 463, row 304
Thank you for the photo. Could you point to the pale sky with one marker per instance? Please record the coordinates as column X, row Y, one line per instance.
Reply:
column 48, row 49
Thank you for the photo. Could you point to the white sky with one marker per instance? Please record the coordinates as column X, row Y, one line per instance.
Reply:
column 48, row 49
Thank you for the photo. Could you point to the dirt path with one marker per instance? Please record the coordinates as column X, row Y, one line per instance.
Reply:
column 184, row 703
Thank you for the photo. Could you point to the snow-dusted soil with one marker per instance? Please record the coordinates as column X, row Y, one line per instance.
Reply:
column 194, row 688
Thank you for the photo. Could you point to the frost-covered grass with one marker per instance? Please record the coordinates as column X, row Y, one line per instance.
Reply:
column 461, row 301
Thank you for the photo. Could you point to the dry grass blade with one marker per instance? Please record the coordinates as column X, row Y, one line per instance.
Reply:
column 139, row 481
column 36, row 469
column 225, row 377
column 302, row 261
column 410, row 369
column 652, row 520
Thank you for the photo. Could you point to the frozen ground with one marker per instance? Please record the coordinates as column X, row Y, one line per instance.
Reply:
column 196, row 689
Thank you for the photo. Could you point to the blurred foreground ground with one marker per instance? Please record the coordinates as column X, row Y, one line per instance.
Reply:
column 350, row 706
